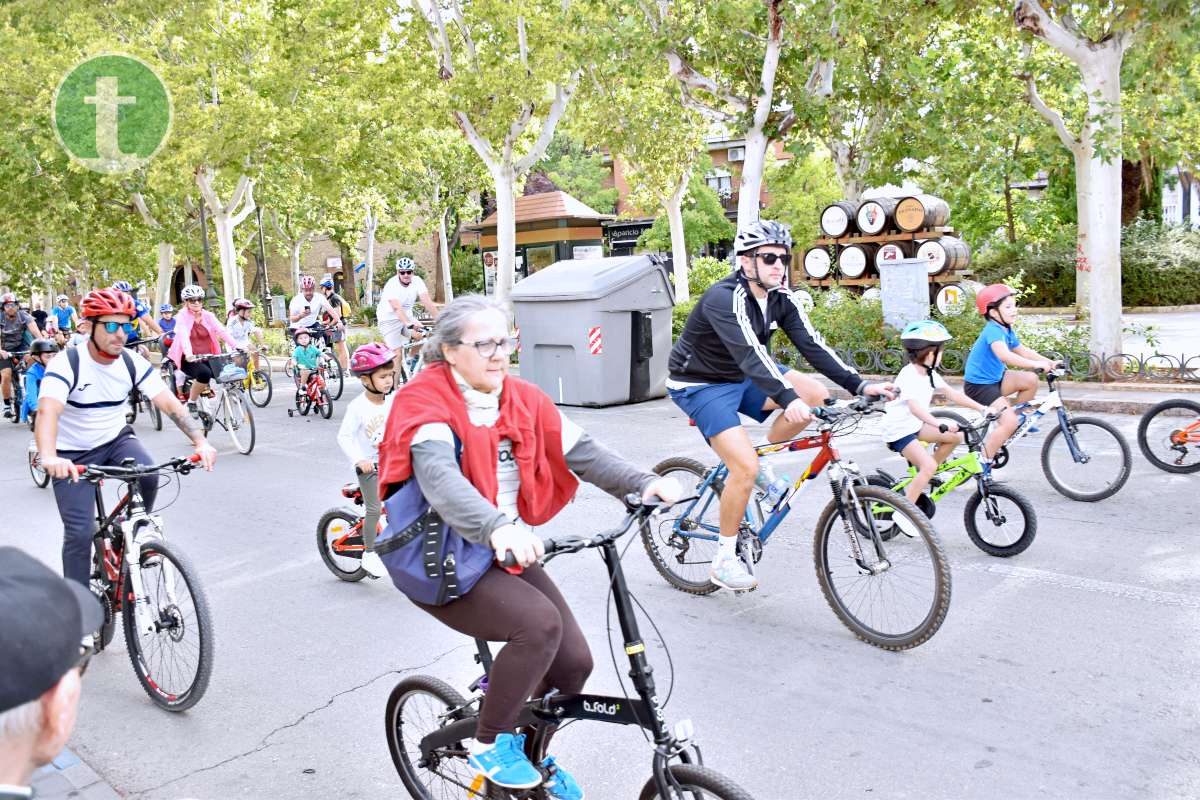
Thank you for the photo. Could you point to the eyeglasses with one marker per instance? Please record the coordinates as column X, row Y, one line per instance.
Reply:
column 488, row 347
column 113, row 327
column 770, row 258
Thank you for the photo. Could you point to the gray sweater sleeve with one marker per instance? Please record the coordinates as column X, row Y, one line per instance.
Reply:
column 600, row 466
column 451, row 494
column 463, row 508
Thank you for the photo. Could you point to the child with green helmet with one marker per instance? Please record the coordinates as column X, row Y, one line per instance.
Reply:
column 907, row 421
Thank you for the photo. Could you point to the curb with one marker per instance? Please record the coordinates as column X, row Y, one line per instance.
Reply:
column 67, row 776
column 1070, row 310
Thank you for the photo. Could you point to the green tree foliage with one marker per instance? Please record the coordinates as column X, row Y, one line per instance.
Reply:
column 579, row 171
column 800, row 188
column 704, row 222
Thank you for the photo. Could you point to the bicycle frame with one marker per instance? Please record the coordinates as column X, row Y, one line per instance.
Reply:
column 554, row 708
column 963, row 468
column 1052, row 402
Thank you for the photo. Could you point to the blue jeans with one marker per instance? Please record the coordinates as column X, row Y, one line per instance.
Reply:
column 77, row 500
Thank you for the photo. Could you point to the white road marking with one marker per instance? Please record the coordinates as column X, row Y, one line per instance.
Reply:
column 1122, row 590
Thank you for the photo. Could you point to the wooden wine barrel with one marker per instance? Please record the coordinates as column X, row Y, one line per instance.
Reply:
column 893, row 251
column 838, row 219
column 920, row 211
column 875, row 215
column 854, row 259
column 817, row 262
column 944, row 254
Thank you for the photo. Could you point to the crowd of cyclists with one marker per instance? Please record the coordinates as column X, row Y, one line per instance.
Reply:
column 469, row 460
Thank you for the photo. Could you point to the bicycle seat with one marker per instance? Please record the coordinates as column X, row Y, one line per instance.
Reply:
column 352, row 491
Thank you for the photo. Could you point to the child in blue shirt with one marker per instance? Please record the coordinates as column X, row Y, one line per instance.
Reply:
column 987, row 379
column 41, row 351
column 166, row 318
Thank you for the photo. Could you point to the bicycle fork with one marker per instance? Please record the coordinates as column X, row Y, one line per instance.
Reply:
column 840, row 481
column 143, row 618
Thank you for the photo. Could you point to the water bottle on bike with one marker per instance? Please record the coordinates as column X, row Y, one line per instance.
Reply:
column 771, row 486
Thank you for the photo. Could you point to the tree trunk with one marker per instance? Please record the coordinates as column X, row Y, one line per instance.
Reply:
column 444, row 246
column 752, row 175
column 372, row 222
column 1009, row 223
column 294, row 257
column 679, row 253
column 1098, row 193
column 847, row 174
column 506, row 232
column 166, row 271
column 231, row 276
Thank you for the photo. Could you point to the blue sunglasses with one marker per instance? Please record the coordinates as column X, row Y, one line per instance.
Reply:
column 113, row 327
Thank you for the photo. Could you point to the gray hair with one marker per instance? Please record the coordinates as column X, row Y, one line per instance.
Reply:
column 20, row 723
column 453, row 321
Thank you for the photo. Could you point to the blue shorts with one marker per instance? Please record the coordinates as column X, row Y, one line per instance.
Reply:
column 899, row 445
column 715, row 406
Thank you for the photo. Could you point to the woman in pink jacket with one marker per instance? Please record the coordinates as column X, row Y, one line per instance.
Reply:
column 197, row 333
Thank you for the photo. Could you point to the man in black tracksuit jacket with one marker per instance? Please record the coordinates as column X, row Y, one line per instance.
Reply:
column 721, row 367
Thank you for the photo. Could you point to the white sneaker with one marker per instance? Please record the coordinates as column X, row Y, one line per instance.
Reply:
column 373, row 564
column 906, row 525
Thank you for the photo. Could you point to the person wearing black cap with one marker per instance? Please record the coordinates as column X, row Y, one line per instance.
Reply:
column 43, row 617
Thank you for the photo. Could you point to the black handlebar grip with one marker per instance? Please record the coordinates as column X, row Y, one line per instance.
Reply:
column 943, row 428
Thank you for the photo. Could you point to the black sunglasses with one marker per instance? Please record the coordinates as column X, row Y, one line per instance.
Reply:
column 770, row 258
column 404, row 272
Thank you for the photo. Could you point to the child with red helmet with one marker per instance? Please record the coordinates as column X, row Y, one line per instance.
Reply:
column 987, row 380
column 360, row 434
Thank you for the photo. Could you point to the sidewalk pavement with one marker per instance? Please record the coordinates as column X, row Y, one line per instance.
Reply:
column 1102, row 398
column 68, row 777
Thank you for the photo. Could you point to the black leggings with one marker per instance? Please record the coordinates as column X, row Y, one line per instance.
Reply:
column 199, row 371
column 545, row 648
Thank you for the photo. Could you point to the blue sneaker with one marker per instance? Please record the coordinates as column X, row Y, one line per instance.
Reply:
column 505, row 765
column 560, row 785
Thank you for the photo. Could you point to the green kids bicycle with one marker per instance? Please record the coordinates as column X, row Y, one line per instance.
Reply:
column 1008, row 522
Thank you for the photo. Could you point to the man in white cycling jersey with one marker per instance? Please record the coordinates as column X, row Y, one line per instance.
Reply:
column 721, row 366
column 81, row 420
column 397, row 321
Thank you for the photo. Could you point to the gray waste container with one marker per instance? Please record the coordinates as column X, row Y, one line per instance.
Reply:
column 597, row 332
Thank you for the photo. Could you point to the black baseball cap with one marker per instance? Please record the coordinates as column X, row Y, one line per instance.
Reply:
column 43, row 617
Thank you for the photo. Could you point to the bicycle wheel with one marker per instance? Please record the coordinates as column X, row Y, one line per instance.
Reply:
column 1008, row 522
column 335, row 382
column 697, row 781
column 131, row 413
column 1169, row 436
column 289, row 368
column 260, row 388
column 174, row 661
column 1106, row 465
column 154, row 412
column 239, row 421
column 41, row 478
column 900, row 599
column 683, row 556
column 959, row 420
column 18, row 396
column 332, row 526
column 325, row 404
column 418, row 706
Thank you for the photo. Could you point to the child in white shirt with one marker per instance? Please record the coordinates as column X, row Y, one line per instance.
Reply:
column 360, row 433
column 907, row 421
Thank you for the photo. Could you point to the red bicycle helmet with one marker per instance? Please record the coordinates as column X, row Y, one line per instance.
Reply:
column 991, row 296
column 370, row 357
column 8, row 297
column 307, row 282
column 102, row 302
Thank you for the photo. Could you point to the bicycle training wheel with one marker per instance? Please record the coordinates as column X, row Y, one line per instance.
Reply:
column 682, row 541
column 1104, row 465
column 1007, row 523
column 1169, row 436
column 898, row 598
column 697, row 781
column 325, row 404
column 336, row 384
column 260, row 387
column 41, row 478
column 173, row 661
column 418, row 706
column 239, row 421
column 334, row 535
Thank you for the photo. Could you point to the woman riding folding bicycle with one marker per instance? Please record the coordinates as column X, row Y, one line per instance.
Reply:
column 492, row 457
column 197, row 333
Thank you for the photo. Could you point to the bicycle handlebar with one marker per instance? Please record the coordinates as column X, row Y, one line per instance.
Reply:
column 636, row 510
column 98, row 471
column 860, row 405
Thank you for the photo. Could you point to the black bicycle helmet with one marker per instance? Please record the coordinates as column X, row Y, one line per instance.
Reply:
column 42, row 346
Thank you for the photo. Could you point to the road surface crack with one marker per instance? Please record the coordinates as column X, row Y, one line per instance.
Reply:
column 265, row 742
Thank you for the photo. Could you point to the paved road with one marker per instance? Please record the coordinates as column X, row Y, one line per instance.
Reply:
column 1066, row 672
column 1173, row 333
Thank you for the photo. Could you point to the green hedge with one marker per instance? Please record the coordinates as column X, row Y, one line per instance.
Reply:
column 1160, row 266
